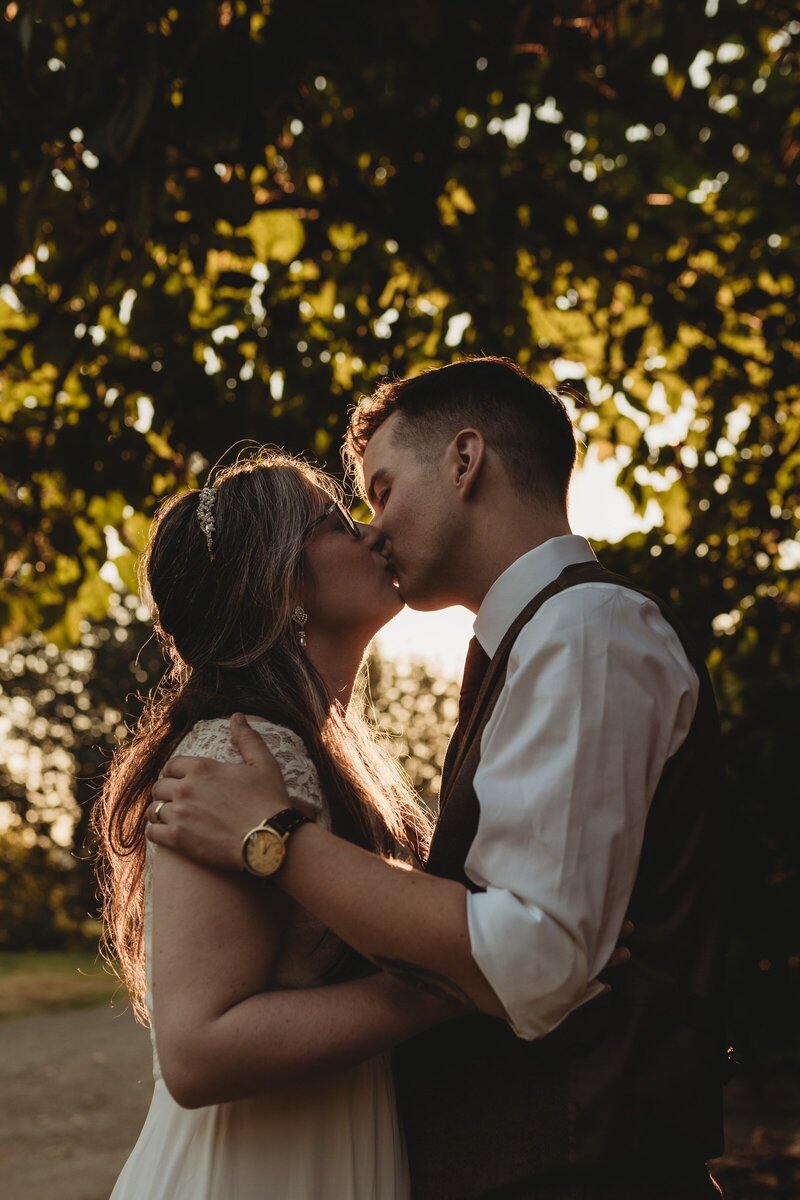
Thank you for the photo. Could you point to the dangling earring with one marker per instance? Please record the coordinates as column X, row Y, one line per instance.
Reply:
column 300, row 617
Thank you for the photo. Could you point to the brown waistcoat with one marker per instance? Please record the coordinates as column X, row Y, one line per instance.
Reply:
column 631, row 1078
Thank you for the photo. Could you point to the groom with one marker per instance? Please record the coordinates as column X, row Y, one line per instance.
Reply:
column 583, row 785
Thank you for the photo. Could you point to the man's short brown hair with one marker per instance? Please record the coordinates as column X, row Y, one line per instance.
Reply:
column 526, row 424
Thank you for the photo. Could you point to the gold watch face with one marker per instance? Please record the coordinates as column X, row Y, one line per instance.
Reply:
column 264, row 851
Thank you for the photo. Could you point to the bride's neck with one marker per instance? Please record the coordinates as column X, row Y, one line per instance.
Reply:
column 338, row 664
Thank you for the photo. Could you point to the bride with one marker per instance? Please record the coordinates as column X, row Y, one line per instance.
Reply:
column 270, row 1038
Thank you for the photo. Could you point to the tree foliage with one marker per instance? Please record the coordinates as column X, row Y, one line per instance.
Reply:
column 229, row 220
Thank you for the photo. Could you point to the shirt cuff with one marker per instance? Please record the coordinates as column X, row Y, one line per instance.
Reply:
column 536, row 968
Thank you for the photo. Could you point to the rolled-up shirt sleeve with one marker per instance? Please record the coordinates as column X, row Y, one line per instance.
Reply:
column 599, row 694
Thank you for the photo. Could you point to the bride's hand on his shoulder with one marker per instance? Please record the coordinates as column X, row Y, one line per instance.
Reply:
column 202, row 808
column 620, row 956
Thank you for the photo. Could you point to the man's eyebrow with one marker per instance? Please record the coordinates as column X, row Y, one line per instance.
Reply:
column 378, row 477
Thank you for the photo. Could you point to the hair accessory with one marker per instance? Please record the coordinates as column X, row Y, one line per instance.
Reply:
column 300, row 617
column 205, row 515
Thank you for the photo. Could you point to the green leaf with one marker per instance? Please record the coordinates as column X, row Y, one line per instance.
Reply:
column 275, row 236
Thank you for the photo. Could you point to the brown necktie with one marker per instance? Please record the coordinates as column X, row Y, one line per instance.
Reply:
column 475, row 665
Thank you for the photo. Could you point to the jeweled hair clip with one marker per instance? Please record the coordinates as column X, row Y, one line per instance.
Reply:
column 205, row 516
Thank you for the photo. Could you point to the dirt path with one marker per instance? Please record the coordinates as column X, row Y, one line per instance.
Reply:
column 74, row 1091
column 75, row 1088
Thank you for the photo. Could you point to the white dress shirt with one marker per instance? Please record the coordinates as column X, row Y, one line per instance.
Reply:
column 599, row 694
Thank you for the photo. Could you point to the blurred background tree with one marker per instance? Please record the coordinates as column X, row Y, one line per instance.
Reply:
column 229, row 220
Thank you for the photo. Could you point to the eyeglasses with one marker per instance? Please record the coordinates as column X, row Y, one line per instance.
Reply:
column 338, row 510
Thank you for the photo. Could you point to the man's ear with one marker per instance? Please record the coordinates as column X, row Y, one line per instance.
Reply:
column 466, row 456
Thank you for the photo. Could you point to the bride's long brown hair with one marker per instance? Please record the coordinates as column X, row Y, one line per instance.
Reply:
column 226, row 630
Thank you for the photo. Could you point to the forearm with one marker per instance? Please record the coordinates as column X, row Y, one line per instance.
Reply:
column 283, row 1039
column 407, row 922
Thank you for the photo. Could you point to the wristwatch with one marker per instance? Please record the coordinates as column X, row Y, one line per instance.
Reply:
column 264, row 848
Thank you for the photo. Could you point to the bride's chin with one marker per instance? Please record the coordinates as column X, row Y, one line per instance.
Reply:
column 393, row 602
column 396, row 601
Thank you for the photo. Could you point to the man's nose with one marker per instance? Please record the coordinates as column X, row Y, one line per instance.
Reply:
column 372, row 536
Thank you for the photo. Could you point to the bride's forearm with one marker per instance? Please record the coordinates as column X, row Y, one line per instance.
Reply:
column 274, row 1040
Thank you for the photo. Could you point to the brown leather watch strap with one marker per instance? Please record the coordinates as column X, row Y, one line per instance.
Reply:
column 287, row 820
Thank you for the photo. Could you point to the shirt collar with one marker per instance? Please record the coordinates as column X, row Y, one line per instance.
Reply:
column 523, row 580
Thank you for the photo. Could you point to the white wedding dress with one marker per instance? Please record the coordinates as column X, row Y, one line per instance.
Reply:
column 340, row 1140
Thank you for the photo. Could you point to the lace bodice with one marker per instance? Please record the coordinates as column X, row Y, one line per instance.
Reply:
column 308, row 950
column 211, row 739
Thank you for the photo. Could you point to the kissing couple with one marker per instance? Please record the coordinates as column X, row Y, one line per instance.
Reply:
column 345, row 1003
